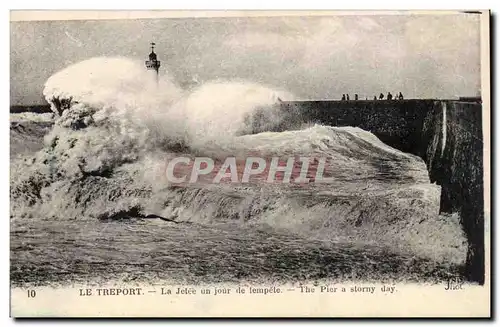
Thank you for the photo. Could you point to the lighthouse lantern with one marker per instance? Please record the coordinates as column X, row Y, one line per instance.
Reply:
column 153, row 64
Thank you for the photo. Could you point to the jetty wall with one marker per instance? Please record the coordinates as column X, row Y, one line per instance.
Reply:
column 446, row 134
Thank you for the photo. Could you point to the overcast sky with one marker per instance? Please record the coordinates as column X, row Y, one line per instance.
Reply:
column 312, row 57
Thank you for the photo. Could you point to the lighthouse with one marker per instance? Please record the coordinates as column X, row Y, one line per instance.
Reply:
column 153, row 65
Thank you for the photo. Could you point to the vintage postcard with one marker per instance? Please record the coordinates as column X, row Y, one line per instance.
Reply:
column 250, row 164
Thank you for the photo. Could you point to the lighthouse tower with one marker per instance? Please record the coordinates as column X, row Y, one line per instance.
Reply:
column 153, row 64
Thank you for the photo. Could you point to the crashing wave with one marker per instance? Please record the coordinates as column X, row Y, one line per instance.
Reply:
column 106, row 154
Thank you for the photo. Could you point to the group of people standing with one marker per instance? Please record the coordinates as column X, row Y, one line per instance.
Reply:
column 345, row 97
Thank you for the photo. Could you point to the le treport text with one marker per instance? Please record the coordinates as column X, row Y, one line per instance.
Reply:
column 183, row 290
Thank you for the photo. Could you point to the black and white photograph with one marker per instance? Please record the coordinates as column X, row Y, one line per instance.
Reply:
column 249, row 158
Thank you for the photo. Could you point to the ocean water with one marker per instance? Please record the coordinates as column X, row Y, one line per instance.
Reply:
column 91, row 200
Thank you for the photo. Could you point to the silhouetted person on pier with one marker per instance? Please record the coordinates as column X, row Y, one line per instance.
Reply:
column 400, row 96
column 356, row 97
column 347, row 97
column 374, row 97
column 343, row 97
column 381, row 96
column 389, row 96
